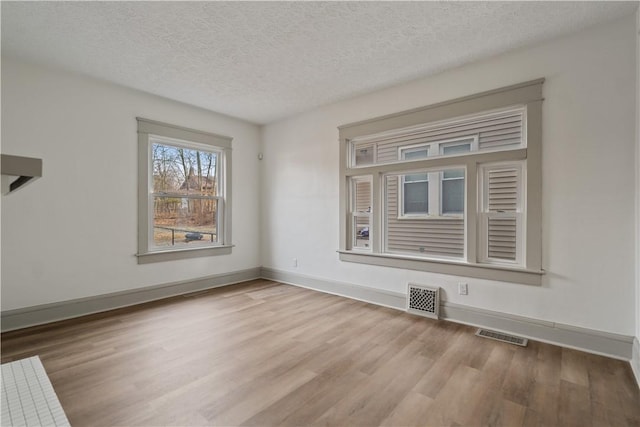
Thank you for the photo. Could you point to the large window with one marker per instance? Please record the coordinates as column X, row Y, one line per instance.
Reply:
column 453, row 188
column 184, row 203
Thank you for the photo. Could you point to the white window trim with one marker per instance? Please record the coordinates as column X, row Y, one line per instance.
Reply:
column 150, row 131
column 529, row 96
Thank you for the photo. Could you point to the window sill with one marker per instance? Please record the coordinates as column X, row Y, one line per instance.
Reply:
column 177, row 254
column 435, row 217
column 456, row 268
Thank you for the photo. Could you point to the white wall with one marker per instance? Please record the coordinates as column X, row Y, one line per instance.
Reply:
column 72, row 233
column 635, row 362
column 638, row 173
column 589, row 181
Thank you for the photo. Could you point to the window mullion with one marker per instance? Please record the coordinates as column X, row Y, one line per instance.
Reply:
column 471, row 208
column 376, row 213
column 434, row 193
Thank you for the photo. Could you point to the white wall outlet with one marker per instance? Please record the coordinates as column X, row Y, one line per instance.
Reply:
column 463, row 289
column 294, row 263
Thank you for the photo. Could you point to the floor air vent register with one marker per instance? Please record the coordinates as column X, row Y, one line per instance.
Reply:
column 423, row 300
column 499, row 336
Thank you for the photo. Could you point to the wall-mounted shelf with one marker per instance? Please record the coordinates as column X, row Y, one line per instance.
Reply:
column 18, row 171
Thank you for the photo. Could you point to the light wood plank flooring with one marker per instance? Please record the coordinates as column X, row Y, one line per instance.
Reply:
column 264, row 353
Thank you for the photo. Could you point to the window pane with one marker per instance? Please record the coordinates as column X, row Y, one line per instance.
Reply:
column 453, row 196
column 422, row 236
column 183, row 171
column 415, row 153
column 361, row 232
column 502, row 189
column 414, row 177
column 502, row 238
column 362, row 196
column 364, row 154
column 448, row 150
column 184, row 222
column 453, row 173
column 416, row 197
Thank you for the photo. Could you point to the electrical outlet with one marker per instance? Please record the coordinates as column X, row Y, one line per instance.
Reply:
column 295, row 263
column 463, row 289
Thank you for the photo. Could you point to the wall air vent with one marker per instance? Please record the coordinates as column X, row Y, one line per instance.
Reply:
column 423, row 300
column 499, row 336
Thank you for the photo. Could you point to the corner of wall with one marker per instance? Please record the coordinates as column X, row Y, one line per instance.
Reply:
column 635, row 359
column 0, row 152
column 261, row 191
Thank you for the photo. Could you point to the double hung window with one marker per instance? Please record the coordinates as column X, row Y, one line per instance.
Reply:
column 184, row 203
column 456, row 189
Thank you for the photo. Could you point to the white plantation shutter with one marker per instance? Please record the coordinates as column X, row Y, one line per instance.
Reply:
column 501, row 216
column 503, row 189
column 502, row 238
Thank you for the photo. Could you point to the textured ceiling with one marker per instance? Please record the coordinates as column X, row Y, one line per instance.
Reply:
column 262, row 61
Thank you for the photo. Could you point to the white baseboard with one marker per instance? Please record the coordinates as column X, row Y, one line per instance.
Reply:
column 589, row 340
column 47, row 313
column 361, row 293
column 598, row 342
column 635, row 360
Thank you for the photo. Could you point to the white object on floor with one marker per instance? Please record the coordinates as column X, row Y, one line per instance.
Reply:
column 28, row 398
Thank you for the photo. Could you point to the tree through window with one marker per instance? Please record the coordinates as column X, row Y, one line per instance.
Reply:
column 185, row 195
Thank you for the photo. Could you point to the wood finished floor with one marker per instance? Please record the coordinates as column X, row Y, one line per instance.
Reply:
column 264, row 353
